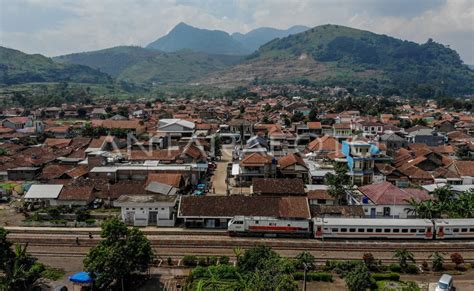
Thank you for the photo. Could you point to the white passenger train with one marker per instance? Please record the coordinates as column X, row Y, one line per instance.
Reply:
column 353, row 228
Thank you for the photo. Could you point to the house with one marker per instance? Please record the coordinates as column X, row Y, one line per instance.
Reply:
column 131, row 126
column 216, row 211
column 463, row 169
column 176, row 128
column 160, row 188
column 277, row 187
column 424, row 135
column 18, row 122
column 387, row 200
column 342, row 131
column 76, row 195
column 347, row 211
column 147, row 210
column 293, row 166
column 255, row 165
column 393, row 142
column 98, row 113
column 323, row 147
column 23, row 173
column 320, row 197
column 370, row 129
column 317, row 171
column 360, row 161
column 45, row 194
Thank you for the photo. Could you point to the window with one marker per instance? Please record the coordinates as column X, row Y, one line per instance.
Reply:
column 370, row 230
column 352, row 230
column 404, row 230
column 471, row 229
column 396, row 230
column 361, row 230
column 378, row 230
column 162, row 209
column 463, row 229
column 455, row 229
column 238, row 222
column 343, row 229
column 335, row 229
column 126, row 208
column 386, row 230
column 412, row 230
column 421, row 230
column 256, row 221
column 141, row 208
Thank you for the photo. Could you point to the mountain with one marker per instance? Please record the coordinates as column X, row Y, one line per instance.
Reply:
column 184, row 36
column 143, row 65
column 342, row 56
column 471, row 67
column 17, row 67
column 252, row 40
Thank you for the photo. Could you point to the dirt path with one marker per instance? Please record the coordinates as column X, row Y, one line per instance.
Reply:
column 220, row 174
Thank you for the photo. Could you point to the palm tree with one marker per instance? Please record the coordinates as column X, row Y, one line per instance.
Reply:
column 437, row 261
column 403, row 256
column 444, row 194
column 238, row 252
column 414, row 208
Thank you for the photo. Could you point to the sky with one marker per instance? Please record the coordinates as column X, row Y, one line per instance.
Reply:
column 55, row 27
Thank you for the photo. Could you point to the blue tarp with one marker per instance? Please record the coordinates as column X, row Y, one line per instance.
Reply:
column 81, row 277
column 201, row 186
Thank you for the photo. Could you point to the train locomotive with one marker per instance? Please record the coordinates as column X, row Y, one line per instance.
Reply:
column 358, row 228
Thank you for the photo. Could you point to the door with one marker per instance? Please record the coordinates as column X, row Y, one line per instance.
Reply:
column 129, row 217
column 373, row 212
column 152, row 218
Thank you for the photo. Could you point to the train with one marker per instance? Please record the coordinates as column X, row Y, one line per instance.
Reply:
column 348, row 228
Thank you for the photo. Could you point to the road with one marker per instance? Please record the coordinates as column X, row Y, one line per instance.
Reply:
column 220, row 174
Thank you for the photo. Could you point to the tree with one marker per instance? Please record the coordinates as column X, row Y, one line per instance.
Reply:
column 369, row 261
column 5, row 249
column 238, row 252
column 313, row 114
column 339, row 182
column 81, row 112
column 297, row 116
column 358, row 279
column 457, row 259
column 403, row 256
column 305, row 258
column 217, row 146
column 437, row 261
column 255, row 257
column 20, row 270
column 122, row 252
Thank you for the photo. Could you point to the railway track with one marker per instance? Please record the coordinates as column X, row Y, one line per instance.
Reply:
column 203, row 242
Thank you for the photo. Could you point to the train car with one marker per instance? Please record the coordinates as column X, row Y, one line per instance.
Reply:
column 454, row 228
column 269, row 227
column 373, row 228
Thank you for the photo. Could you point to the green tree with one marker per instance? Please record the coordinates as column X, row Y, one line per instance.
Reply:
column 254, row 257
column 313, row 114
column 437, row 261
column 339, row 182
column 297, row 116
column 305, row 258
column 358, row 279
column 122, row 252
column 5, row 249
column 21, row 271
column 403, row 256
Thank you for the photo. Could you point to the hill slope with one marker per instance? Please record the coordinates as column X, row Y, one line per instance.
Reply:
column 337, row 55
column 184, row 36
column 252, row 40
column 141, row 65
column 17, row 67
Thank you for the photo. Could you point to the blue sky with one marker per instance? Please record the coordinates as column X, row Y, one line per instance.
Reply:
column 54, row 27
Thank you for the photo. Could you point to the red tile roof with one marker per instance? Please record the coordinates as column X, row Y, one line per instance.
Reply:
column 386, row 193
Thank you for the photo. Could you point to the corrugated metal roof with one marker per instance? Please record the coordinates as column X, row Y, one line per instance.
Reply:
column 43, row 192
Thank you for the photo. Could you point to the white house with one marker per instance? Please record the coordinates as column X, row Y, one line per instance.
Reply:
column 147, row 210
column 386, row 200
column 44, row 193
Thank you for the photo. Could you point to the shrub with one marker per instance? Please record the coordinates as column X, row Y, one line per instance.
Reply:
column 190, row 261
column 199, row 272
column 313, row 276
column 386, row 276
column 169, row 260
column 52, row 273
column 369, row 261
column 457, row 259
column 412, row 269
column 211, row 261
column 342, row 267
column 395, row 268
column 224, row 260
column 202, row 261
column 90, row 221
column 53, row 213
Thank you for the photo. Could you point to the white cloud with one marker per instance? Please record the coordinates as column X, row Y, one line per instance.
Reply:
column 96, row 24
